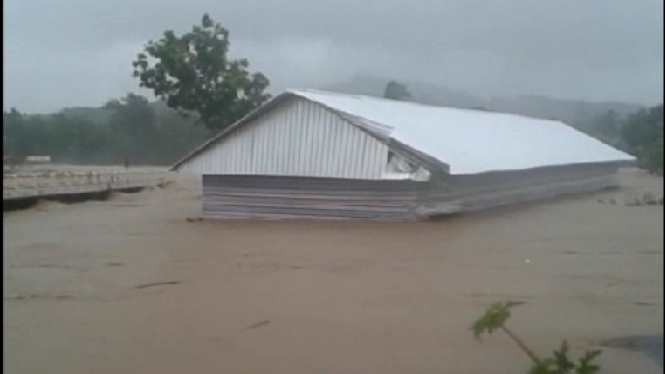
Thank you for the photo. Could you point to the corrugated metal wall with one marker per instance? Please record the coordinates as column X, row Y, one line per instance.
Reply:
column 463, row 193
column 278, row 197
column 297, row 138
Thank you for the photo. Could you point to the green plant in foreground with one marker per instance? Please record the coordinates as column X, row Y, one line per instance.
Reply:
column 495, row 318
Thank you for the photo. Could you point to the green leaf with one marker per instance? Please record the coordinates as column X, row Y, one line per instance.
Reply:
column 494, row 318
column 193, row 73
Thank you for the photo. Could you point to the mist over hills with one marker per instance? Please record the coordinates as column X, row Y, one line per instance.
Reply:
column 539, row 106
column 577, row 113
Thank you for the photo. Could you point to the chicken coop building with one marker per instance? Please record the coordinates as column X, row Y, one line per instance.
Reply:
column 314, row 154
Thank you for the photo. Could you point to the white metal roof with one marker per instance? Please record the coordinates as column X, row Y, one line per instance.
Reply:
column 471, row 141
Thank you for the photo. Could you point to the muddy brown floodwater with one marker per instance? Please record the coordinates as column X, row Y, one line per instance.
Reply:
column 129, row 285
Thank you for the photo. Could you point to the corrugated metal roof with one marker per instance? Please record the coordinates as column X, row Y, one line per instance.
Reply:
column 471, row 141
column 465, row 140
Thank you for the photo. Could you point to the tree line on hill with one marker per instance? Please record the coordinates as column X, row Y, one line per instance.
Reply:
column 639, row 133
column 133, row 132
column 206, row 91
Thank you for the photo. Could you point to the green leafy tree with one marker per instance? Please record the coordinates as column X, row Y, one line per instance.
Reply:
column 606, row 128
column 134, row 126
column 194, row 75
column 642, row 133
column 64, row 139
column 12, row 128
column 88, row 143
column 495, row 318
column 26, row 135
column 396, row 91
column 177, row 136
column 131, row 127
column 132, row 115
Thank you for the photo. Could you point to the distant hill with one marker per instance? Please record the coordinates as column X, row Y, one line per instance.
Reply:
column 569, row 111
column 101, row 115
column 98, row 116
column 422, row 92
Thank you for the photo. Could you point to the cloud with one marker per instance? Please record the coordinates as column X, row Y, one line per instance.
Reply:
column 79, row 52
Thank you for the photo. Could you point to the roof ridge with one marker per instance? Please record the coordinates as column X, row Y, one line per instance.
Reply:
column 359, row 96
column 301, row 91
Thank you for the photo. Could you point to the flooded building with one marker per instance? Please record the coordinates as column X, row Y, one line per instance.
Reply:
column 314, row 154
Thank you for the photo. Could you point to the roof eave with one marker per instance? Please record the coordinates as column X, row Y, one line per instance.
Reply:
column 378, row 132
column 220, row 135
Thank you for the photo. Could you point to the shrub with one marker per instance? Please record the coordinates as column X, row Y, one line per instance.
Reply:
column 495, row 318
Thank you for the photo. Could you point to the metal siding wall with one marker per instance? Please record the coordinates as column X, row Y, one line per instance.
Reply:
column 464, row 193
column 279, row 197
column 298, row 138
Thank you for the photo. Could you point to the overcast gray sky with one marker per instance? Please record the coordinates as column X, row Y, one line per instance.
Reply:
column 60, row 53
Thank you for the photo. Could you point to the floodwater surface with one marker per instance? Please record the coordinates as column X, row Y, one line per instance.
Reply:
column 131, row 285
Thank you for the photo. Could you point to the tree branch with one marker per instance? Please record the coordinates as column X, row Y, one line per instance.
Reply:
column 521, row 344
